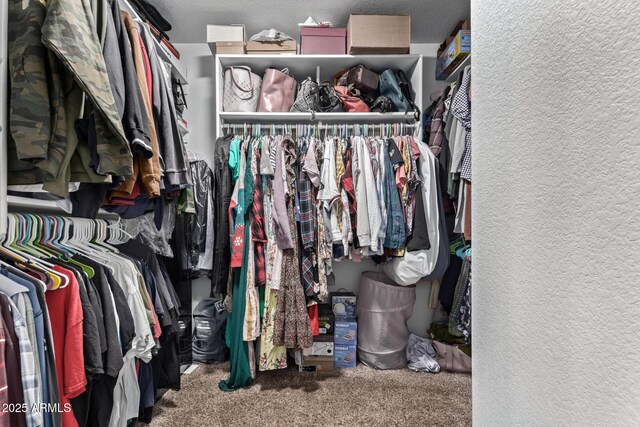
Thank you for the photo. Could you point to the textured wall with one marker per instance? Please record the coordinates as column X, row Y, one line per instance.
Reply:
column 556, row 277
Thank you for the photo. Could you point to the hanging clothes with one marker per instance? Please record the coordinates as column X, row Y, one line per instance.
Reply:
column 292, row 326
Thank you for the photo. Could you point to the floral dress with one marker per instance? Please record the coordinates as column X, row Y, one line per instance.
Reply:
column 292, row 325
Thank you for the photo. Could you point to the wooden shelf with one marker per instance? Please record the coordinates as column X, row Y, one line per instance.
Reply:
column 304, row 118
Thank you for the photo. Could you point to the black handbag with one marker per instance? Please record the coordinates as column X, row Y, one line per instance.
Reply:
column 382, row 104
column 405, row 86
column 329, row 99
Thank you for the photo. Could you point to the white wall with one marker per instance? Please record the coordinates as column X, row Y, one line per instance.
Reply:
column 197, row 59
column 556, row 273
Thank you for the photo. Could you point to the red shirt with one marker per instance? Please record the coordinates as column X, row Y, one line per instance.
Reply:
column 65, row 312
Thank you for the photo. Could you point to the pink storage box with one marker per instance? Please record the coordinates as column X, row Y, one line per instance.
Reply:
column 323, row 41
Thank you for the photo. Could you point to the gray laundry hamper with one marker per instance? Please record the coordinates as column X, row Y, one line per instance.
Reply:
column 383, row 310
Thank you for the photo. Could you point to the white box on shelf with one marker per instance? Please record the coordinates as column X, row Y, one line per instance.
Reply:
column 225, row 33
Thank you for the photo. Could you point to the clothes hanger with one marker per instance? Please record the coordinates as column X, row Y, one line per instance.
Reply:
column 26, row 259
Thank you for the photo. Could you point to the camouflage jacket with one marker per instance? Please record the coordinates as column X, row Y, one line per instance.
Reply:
column 52, row 49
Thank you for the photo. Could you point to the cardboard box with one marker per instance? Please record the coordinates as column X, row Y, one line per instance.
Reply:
column 346, row 333
column 326, row 319
column 225, row 33
column 462, row 25
column 288, row 47
column 343, row 305
column 345, row 356
column 323, row 41
column 378, row 34
column 317, row 364
column 322, row 346
column 228, row 48
column 453, row 55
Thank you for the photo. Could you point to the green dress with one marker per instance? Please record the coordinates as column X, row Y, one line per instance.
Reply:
column 240, row 373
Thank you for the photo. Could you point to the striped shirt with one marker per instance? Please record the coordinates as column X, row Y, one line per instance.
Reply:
column 30, row 384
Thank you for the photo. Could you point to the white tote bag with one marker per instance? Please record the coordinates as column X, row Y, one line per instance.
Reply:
column 241, row 90
column 413, row 266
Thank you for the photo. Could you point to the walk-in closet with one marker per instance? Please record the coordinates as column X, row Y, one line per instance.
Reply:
column 318, row 213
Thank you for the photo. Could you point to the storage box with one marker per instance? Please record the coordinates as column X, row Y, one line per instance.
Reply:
column 317, row 364
column 453, row 55
column 323, row 41
column 462, row 25
column 225, row 33
column 227, row 48
column 345, row 356
column 322, row 346
column 326, row 319
column 288, row 47
column 378, row 34
column 346, row 333
column 343, row 305
column 226, row 39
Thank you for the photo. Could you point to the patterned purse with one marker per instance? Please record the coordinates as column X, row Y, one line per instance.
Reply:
column 241, row 90
column 308, row 98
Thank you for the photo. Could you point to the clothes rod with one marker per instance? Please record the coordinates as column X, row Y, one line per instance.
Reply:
column 392, row 128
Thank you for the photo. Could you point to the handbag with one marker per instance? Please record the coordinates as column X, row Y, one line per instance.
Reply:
column 329, row 99
column 241, row 90
column 308, row 97
column 390, row 88
column 363, row 79
column 381, row 104
column 278, row 91
column 350, row 101
column 405, row 86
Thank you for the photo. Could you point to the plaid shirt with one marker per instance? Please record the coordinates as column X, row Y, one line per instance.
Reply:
column 258, row 232
column 30, row 384
column 461, row 109
column 306, row 200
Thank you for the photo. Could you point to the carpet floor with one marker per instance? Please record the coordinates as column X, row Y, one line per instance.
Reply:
column 360, row 396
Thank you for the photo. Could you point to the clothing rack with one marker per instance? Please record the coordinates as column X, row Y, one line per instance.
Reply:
column 381, row 130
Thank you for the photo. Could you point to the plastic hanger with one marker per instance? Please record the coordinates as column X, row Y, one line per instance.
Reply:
column 29, row 261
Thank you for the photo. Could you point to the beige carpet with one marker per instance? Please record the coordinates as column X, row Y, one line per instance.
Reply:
column 360, row 396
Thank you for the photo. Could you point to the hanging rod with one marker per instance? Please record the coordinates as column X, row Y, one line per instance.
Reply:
column 386, row 129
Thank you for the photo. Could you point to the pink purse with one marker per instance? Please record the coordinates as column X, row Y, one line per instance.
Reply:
column 278, row 91
column 351, row 103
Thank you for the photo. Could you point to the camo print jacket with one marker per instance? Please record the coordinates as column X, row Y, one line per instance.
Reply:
column 47, row 43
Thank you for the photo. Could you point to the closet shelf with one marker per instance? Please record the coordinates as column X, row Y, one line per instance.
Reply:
column 454, row 76
column 304, row 118
column 20, row 204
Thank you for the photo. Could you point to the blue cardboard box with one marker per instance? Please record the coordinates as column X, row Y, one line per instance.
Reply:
column 453, row 55
column 344, row 356
column 346, row 332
